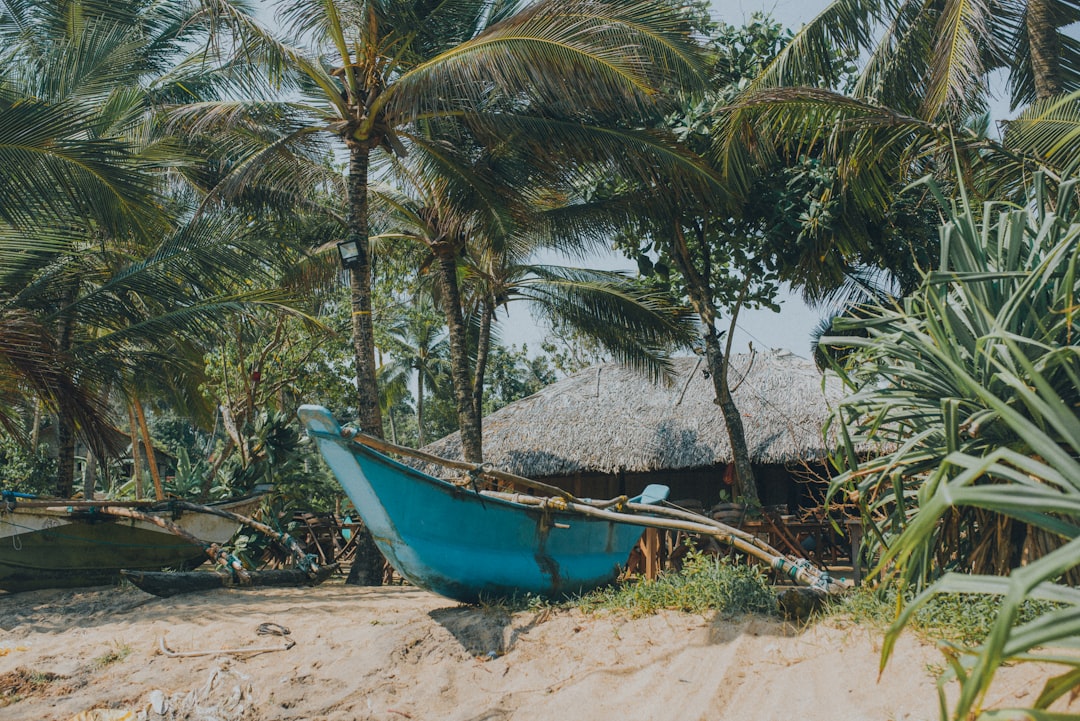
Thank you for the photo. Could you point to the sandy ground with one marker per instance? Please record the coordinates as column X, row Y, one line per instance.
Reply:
column 399, row 653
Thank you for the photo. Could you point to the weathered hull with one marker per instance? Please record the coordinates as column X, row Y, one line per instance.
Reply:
column 456, row 543
column 60, row 547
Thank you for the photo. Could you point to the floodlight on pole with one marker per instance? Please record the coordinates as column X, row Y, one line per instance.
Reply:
column 349, row 250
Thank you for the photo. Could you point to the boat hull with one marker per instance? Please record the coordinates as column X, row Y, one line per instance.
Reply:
column 61, row 547
column 468, row 547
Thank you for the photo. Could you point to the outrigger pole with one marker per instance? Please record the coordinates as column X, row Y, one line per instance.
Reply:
column 800, row 570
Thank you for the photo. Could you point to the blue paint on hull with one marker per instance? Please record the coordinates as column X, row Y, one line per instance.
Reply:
column 454, row 542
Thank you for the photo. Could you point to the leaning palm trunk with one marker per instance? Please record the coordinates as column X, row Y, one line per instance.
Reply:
column 975, row 384
column 468, row 414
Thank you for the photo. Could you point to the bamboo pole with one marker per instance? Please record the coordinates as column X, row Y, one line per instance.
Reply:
column 216, row 554
column 290, row 543
column 214, row 551
column 477, row 468
column 64, row 506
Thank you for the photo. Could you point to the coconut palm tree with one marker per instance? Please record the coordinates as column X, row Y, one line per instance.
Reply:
column 555, row 77
column 105, row 276
column 416, row 343
column 482, row 239
column 925, row 74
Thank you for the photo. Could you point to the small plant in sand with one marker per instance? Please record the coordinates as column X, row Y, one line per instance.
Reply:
column 705, row 583
column 117, row 653
column 23, row 683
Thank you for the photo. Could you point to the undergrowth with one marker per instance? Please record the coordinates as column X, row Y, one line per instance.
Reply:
column 705, row 584
column 958, row 617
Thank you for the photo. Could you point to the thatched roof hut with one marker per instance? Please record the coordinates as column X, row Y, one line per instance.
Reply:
column 611, row 425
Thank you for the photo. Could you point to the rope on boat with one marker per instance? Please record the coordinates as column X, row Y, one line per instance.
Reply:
column 799, row 570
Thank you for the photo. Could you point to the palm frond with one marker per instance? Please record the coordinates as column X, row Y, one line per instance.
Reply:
column 539, row 52
column 636, row 326
column 1050, row 130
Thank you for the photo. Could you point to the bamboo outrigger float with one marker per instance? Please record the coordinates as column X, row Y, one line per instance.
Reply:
column 230, row 572
column 467, row 544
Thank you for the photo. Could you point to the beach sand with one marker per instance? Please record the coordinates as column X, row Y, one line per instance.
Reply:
column 399, row 653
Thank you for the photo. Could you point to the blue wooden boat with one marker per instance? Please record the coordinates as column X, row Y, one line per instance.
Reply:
column 466, row 546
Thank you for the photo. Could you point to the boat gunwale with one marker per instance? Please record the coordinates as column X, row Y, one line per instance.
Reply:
column 446, row 486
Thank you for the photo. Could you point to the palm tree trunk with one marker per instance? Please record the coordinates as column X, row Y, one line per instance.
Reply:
column 363, row 336
column 1045, row 48
column 368, row 563
column 483, row 347
column 35, row 429
column 133, row 429
column 65, row 421
column 151, row 458
column 393, row 428
column 90, row 476
column 420, row 408
column 65, row 447
column 468, row 420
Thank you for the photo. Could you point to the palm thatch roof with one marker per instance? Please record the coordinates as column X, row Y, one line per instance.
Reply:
column 608, row 419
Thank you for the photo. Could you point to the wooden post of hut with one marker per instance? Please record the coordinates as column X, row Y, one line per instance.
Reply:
column 650, row 549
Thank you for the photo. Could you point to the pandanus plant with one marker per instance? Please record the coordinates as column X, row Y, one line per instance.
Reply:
column 971, row 389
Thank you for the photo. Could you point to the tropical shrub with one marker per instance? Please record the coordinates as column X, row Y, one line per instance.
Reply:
column 971, row 389
column 25, row 470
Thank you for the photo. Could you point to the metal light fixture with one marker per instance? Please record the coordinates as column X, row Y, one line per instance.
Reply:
column 349, row 250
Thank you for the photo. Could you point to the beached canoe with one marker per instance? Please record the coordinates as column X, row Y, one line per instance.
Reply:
column 67, row 544
column 458, row 543
column 173, row 583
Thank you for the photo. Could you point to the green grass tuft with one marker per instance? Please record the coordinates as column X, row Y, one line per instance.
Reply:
column 964, row 618
column 118, row 653
column 705, row 584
